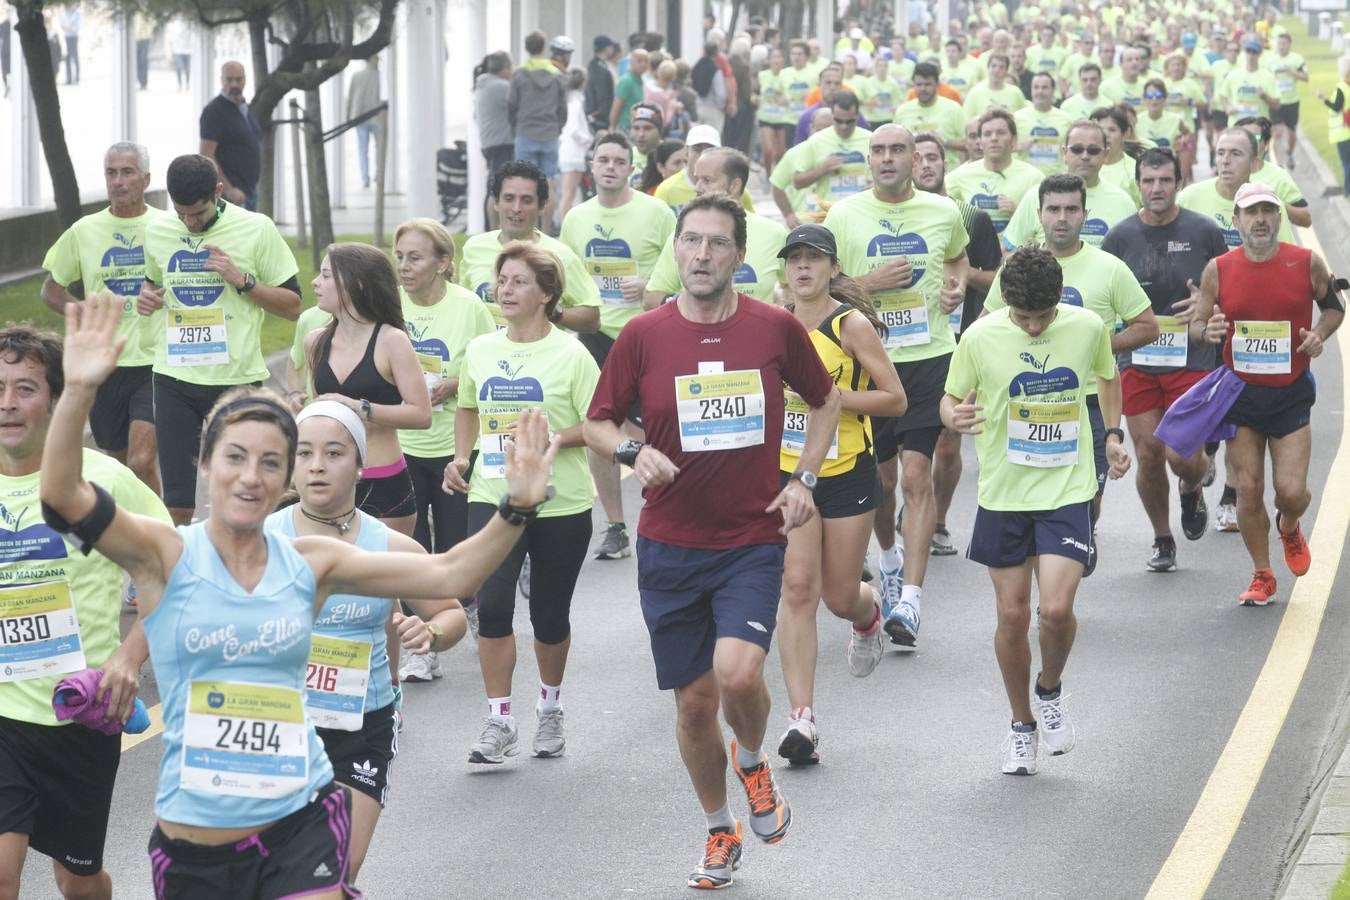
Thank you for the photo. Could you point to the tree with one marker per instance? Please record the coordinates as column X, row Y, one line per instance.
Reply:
column 37, row 60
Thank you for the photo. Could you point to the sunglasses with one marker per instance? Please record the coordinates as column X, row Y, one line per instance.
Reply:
column 1089, row 149
column 1154, row 95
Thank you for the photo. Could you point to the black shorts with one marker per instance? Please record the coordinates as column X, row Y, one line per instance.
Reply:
column 599, row 344
column 848, row 493
column 362, row 759
column 56, row 786
column 787, row 130
column 127, row 396
column 388, row 496
column 1285, row 114
column 1101, row 467
column 924, row 381
column 305, row 853
column 1002, row 539
column 1275, row 411
column 180, row 409
column 1219, row 118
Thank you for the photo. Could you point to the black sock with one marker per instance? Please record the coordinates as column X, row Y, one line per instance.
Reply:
column 1165, row 539
column 1045, row 693
column 1229, row 495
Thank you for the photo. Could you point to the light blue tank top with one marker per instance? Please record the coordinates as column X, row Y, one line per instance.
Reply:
column 238, row 749
column 349, row 617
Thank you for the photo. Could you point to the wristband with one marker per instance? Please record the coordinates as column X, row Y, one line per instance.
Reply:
column 1120, row 435
column 520, row 515
column 365, row 409
column 86, row 532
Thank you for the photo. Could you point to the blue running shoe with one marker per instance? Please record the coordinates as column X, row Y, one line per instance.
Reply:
column 903, row 625
column 892, row 580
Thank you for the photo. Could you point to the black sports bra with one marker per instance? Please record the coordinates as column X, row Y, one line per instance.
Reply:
column 363, row 383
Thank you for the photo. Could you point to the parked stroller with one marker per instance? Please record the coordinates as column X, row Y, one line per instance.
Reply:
column 452, row 180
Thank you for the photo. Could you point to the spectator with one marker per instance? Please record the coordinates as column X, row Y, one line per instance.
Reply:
column 600, row 81
column 629, row 90
column 741, row 118
column 230, row 135
column 575, row 142
column 145, row 33
column 661, row 91
column 70, row 29
column 537, row 108
column 491, row 90
column 711, row 86
column 560, row 53
column 636, row 41
column 1338, row 132
column 180, row 45
column 363, row 96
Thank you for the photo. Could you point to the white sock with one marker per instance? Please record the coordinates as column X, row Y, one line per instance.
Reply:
column 912, row 594
column 549, row 697
column 890, row 558
column 803, row 712
column 721, row 818
column 499, row 707
column 747, row 759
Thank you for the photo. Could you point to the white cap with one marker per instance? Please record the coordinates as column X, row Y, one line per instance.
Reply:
column 1254, row 192
column 703, row 134
column 345, row 415
column 856, row 33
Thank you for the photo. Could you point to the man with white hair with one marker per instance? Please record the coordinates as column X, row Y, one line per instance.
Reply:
column 678, row 189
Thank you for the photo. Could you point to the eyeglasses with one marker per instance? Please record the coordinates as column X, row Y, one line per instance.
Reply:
column 691, row 241
column 1089, row 149
column 1154, row 95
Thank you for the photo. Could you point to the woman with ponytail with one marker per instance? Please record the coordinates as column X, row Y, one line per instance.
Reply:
column 825, row 556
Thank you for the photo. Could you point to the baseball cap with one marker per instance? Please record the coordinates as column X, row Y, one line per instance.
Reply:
column 855, row 33
column 646, row 112
column 1254, row 192
column 561, row 44
column 817, row 237
column 1188, row 40
column 703, row 134
column 1252, row 44
column 602, row 42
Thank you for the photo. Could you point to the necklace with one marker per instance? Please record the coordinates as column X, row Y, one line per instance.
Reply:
column 343, row 522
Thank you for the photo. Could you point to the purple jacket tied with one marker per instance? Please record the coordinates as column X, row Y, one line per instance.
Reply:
column 1197, row 416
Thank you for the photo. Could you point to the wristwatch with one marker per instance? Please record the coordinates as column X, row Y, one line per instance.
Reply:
column 435, row 631
column 365, row 409
column 249, row 284
column 627, row 452
column 519, row 515
column 1120, row 435
column 808, row 479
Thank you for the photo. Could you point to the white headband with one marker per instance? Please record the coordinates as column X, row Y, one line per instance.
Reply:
column 332, row 409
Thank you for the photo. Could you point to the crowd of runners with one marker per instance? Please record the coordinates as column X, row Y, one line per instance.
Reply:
column 995, row 234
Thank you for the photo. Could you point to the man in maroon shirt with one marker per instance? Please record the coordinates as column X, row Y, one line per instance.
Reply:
column 708, row 370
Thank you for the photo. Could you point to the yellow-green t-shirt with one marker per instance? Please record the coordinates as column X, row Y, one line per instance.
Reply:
column 618, row 243
column 1284, row 68
column 1068, row 70
column 677, row 190
column 639, row 166
column 944, row 117
column 773, row 101
column 928, row 229
column 1183, row 97
column 1078, row 107
column 1045, row 131
column 802, row 200
column 479, row 255
column 1203, row 197
column 1242, row 92
column 41, row 575
column 215, row 331
column 102, row 251
column 1121, row 174
column 1163, row 131
column 309, row 320
column 756, row 276
column 500, row 378
column 1121, row 91
column 963, row 77
column 1041, row 385
column 974, row 183
column 853, row 176
column 795, row 84
column 982, row 98
column 1279, row 178
column 1044, row 59
column 884, row 95
column 1106, row 205
column 439, row 334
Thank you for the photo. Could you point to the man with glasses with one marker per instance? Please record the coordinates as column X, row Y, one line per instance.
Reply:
column 708, row 371
column 1085, row 151
column 1249, row 89
column 833, row 162
column 1167, row 249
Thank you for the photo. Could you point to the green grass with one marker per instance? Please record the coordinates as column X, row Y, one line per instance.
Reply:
column 22, row 300
column 1341, row 889
column 1323, row 75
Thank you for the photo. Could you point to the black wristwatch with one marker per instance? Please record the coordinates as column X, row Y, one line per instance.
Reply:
column 519, row 515
column 808, row 479
column 1117, row 432
column 365, row 409
column 249, row 284
column 627, row 452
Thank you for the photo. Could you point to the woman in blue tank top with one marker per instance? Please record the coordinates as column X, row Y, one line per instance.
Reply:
column 349, row 684
column 246, row 805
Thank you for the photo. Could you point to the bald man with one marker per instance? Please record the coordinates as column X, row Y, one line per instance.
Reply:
column 230, row 135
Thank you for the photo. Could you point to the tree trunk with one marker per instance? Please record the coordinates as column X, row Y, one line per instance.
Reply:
column 37, row 56
column 320, row 210
column 791, row 22
column 262, row 111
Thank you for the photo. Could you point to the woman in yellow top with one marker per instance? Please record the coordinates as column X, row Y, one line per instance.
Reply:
column 825, row 556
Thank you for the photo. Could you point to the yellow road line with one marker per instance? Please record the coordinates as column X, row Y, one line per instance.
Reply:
column 156, row 726
column 1196, row 855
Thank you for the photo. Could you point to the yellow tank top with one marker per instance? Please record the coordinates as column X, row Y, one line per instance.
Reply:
column 854, row 435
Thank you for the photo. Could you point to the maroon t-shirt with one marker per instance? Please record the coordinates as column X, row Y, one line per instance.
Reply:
column 717, row 501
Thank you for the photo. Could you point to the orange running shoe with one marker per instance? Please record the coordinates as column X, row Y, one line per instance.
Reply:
column 1297, row 556
column 770, row 814
column 1262, row 589
column 721, row 857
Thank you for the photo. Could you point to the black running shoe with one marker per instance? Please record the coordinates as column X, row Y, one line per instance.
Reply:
column 1164, row 558
column 1194, row 514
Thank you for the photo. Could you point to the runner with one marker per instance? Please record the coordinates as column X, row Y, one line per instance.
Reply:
column 985, row 255
column 908, row 251
column 1042, row 126
column 531, row 365
column 1085, row 150
column 1017, row 382
column 1167, row 249
column 995, row 92
column 1081, row 104
column 106, row 250
column 833, row 162
column 1118, row 169
column 771, row 110
column 234, row 635
column 1163, row 128
column 58, row 777
column 825, row 555
column 619, row 233
column 995, row 183
column 706, row 370
column 1260, row 299
column 645, row 134
column 930, row 112
column 1098, row 282
column 797, row 205
column 1249, row 89
column 1263, row 170
column 349, row 686
column 215, row 269
column 679, row 189
column 1127, row 87
column 1235, row 155
column 1289, row 69
column 383, row 381
column 519, row 190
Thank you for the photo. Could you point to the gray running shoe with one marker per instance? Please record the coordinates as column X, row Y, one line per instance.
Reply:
column 497, row 742
column 523, row 582
column 1164, row 557
column 615, row 543
column 865, row 650
column 942, row 543
column 548, row 737
column 417, row 668
column 1194, row 514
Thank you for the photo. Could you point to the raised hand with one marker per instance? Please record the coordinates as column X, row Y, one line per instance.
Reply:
column 92, row 344
column 529, row 456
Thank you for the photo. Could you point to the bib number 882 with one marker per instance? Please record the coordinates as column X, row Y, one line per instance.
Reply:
column 248, row 736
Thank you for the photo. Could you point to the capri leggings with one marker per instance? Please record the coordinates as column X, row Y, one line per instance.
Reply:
column 442, row 518
column 557, row 547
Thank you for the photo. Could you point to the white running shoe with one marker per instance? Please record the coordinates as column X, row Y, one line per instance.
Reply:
column 1225, row 518
column 865, row 650
column 548, row 736
column 417, row 668
column 798, row 744
column 1019, row 752
column 1055, row 725
column 496, row 743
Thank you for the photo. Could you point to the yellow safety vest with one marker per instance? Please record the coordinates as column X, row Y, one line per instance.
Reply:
column 1337, row 130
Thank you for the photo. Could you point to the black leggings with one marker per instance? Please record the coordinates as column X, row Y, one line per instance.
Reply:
column 557, row 547
column 449, row 512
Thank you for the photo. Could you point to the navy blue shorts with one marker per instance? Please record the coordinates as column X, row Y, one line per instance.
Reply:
column 1003, row 539
column 690, row 598
column 1098, row 442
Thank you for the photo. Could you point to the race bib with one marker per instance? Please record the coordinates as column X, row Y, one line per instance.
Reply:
column 336, row 679
column 795, row 416
column 197, row 337
column 1261, row 348
column 244, row 740
column 39, row 633
column 905, row 315
column 1042, row 435
column 1285, row 86
column 1168, row 349
column 956, row 318
column 493, row 430
column 431, row 373
column 720, row 410
column 608, row 273
column 842, row 186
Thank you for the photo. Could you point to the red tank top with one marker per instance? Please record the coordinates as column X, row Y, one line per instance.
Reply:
column 1266, row 304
